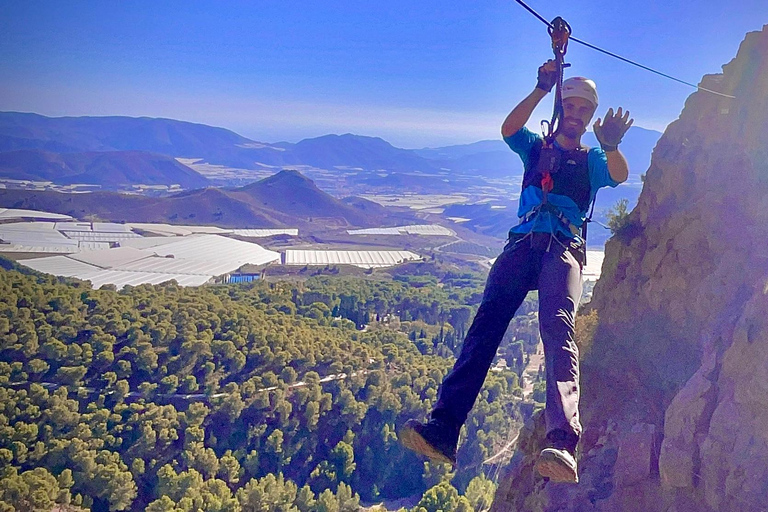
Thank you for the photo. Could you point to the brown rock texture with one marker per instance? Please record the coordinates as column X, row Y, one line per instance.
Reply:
column 675, row 381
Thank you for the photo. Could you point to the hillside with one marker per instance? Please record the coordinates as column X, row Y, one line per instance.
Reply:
column 109, row 169
column 236, row 397
column 293, row 194
column 674, row 377
column 286, row 199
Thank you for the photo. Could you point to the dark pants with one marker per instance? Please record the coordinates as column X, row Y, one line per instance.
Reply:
column 535, row 262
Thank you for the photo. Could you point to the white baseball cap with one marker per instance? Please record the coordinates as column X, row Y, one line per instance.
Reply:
column 580, row 87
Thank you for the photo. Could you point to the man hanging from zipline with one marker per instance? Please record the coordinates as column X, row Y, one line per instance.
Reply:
column 545, row 252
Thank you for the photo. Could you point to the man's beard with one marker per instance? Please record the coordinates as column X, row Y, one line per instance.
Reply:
column 572, row 131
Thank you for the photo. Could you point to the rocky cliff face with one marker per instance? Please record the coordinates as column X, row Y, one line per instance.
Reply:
column 675, row 382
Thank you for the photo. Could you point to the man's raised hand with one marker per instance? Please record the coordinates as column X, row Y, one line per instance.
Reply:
column 547, row 76
column 610, row 132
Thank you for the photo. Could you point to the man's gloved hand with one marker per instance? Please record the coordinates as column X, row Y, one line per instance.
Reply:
column 610, row 132
column 547, row 76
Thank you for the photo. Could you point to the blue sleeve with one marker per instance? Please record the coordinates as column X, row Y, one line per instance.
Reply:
column 599, row 176
column 521, row 143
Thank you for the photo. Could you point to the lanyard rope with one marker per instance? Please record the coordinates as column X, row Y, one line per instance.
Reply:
column 624, row 59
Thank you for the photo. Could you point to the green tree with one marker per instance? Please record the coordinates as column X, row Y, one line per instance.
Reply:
column 480, row 492
column 269, row 494
column 34, row 490
column 618, row 215
column 441, row 498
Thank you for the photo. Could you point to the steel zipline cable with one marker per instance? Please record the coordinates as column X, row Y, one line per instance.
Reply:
column 624, row 59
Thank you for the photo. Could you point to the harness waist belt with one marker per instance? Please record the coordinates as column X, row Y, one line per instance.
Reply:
column 547, row 207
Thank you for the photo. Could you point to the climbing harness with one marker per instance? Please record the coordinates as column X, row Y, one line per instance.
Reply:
column 549, row 157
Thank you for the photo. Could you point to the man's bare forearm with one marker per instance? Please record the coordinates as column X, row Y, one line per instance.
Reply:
column 522, row 112
column 618, row 167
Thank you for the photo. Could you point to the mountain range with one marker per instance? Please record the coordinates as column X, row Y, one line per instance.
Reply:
column 83, row 136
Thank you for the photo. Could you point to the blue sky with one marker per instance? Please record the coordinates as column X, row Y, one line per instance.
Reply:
column 417, row 73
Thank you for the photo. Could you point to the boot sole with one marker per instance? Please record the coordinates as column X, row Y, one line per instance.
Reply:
column 549, row 465
column 416, row 443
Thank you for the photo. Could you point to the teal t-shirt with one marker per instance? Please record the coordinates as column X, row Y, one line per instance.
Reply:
column 521, row 143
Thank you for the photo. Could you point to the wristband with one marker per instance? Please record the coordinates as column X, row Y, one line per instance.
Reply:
column 607, row 148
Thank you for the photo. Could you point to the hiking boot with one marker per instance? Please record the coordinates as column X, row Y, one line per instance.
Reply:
column 434, row 439
column 558, row 462
column 559, row 465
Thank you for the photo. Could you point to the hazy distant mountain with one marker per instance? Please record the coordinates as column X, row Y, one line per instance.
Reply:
column 637, row 146
column 461, row 150
column 110, row 169
column 371, row 153
column 164, row 136
column 494, row 158
column 220, row 146
column 190, row 140
column 286, row 199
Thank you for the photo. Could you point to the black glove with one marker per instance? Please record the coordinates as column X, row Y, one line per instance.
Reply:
column 610, row 132
column 547, row 76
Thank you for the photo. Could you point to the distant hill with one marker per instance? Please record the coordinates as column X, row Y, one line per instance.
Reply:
column 109, row 169
column 286, row 199
column 293, row 194
column 371, row 153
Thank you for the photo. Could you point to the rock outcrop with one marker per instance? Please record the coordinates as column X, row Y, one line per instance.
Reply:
column 675, row 380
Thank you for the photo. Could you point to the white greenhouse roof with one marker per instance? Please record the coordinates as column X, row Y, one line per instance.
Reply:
column 160, row 229
column 14, row 213
column 365, row 259
column 111, row 257
column 217, row 248
column 29, row 226
column 35, row 237
column 90, row 236
column 149, row 241
column 176, row 230
column 73, row 226
column 158, row 264
column 41, row 249
column 92, row 246
column 421, row 229
column 122, row 278
column 61, row 266
column 207, row 230
column 260, row 233
column 96, row 227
